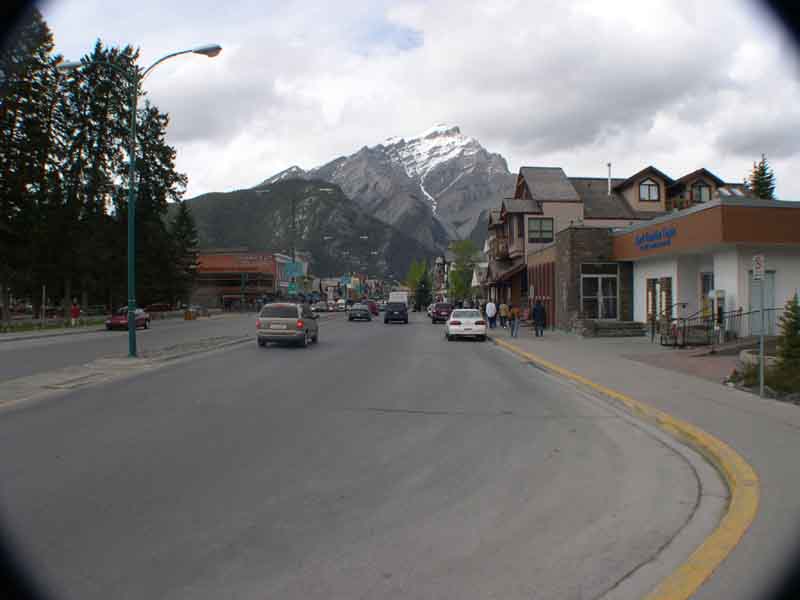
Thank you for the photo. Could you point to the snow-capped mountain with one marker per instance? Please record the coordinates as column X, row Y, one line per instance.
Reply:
column 433, row 186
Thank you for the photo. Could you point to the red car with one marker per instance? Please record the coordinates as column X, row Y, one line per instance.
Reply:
column 441, row 312
column 120, row 320
column 373, row 307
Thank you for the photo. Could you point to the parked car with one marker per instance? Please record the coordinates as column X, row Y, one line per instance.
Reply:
column 319, row 307
column 372, row 306
column 441, row 312
column 396, row 311
column 120, row 319
column 359, row 312
column 465, row 322
column 341, row 305
column 199, row 310
column 287, row 322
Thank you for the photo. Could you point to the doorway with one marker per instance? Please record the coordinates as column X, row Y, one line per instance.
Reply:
column 600, row 291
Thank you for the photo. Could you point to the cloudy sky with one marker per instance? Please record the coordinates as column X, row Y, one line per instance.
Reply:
column 675, row 83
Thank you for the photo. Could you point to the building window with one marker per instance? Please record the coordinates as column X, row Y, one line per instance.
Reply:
column 520, row 227
column 540, row 231
column 701, row 192
column 649, row 191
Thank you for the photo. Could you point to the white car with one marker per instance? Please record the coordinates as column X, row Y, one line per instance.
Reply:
column 465, row 322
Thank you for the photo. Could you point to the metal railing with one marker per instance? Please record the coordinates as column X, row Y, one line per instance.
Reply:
column 701, row 329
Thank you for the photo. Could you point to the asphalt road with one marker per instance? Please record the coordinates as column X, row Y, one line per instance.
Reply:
column 20, row 358
column 384, row 462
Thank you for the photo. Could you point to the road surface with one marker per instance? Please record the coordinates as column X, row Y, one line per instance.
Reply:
column 384, row 462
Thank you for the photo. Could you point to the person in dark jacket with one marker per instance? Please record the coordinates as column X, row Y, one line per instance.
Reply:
column 539, row 317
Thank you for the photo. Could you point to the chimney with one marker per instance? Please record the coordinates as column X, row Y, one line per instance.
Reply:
column 609, row 178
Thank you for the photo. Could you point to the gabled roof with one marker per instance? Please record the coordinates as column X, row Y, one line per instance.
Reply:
column 516, row 205
column 597, row 204
column 548, row 184
column 702, row 172
column 649, row 170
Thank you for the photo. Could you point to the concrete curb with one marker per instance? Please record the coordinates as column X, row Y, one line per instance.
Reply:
column 739, row 476
column 39, row 335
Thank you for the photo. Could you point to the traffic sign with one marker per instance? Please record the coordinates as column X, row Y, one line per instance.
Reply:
column 292, row 288
column 758, row 267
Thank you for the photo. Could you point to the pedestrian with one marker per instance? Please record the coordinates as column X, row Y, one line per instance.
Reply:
column 514, row 315
column 503, row 315
column 491, row 314
column 539, row 317
column 74, row 313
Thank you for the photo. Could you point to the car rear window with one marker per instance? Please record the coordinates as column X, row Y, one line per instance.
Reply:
column 444, row 307
column 280, row 311
column 466, row 314
column 396, row 306
column 358, row 307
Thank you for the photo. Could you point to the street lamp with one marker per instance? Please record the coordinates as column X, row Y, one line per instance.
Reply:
column 134, row 79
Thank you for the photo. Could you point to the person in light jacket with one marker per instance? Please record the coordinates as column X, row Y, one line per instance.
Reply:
column 503, row 314
column 491, row 314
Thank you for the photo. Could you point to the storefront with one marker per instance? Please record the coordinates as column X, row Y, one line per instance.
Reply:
column 233, row 277
column 698, row 262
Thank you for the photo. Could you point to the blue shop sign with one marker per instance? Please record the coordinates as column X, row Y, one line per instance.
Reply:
column 660, row 238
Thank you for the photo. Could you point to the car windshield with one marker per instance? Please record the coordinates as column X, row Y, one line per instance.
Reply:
column 580, row 221
column 279, row 311
column 465, row 314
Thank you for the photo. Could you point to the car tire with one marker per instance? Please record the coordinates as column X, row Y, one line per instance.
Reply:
column 261, row 343
column 108, row 327
column 315, row 339
column 147, row 324
column 304, row 341
column 406, row 321
column 448, row 337
column 482, row 338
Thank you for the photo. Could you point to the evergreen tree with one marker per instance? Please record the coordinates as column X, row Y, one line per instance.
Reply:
column 423, row 292
column 183, row 232
column 761, row 181
column 788, row 362
column 28, row 90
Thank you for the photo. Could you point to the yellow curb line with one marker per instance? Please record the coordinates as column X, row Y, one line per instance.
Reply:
column 739, row 476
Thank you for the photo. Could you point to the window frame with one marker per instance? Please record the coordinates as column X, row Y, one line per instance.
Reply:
column 699, row 185
column 541, row 239
column 649, row 184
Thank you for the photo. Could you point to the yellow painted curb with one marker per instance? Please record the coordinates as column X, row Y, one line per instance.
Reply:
column 739, row 476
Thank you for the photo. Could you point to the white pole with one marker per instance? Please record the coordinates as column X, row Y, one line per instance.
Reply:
column 44, row 303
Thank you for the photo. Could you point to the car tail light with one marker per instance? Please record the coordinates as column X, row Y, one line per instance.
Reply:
column 480, row 322
column 300, row 323
column 455, row 322
column 258, row 323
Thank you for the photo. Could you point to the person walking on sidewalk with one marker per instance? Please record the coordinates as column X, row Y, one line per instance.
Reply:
column 539, row 317
column 514, row 315
column 503, row 315
column 74, row 314
column 491, row 314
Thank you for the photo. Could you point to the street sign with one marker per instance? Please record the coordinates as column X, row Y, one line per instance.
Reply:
column 292, row 288
column 758, row 267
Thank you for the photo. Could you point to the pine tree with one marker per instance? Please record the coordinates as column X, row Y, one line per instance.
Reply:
column 183, row 232
column 789, row 339
column 761, row 181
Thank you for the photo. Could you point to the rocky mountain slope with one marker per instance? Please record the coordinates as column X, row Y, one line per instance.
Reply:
column 433, row 187
column 340, row 236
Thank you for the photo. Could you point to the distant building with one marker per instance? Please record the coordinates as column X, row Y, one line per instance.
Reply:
column 231, row 276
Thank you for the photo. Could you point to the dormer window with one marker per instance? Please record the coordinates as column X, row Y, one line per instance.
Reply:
column 649, row 191
column 701, row 192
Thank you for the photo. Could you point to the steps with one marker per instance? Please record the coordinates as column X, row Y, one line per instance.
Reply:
column 594, row 328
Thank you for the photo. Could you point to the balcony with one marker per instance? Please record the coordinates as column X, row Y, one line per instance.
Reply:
column 516, row 249
column 499, row 248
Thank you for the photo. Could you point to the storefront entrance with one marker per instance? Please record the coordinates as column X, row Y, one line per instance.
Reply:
column 600, row 291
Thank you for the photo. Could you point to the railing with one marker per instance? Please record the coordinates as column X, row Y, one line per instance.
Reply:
column 704, row 330
column 656, row 321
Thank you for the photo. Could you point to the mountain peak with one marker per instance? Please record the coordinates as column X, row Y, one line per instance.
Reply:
column 441, row 130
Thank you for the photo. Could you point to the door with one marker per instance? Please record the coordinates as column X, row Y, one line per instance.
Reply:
column 769, row 302
column 599, row 296
column 706, row 285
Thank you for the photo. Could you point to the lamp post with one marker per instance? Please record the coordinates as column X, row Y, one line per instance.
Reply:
column 134, row 79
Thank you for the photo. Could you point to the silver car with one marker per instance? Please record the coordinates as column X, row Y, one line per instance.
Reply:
column 287, row 322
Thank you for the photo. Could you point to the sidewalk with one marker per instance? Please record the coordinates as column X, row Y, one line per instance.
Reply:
column 765, row 432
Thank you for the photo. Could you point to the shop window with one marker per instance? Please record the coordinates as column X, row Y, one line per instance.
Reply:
column 540, row 230
column 701, row 192
column 649, row 191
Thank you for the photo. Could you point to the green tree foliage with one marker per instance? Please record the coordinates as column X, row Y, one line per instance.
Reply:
column 466, row 255
column 761, row 180
column 423, row 294
column 416, row 271
column 64, row 179
column 183, row 232
column 788, row 363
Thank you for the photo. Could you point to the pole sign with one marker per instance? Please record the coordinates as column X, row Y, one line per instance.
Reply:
column 758, row 267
